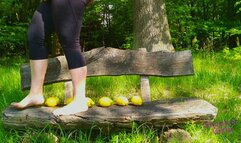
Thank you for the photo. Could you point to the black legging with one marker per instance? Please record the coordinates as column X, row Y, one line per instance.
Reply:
column 63, row 17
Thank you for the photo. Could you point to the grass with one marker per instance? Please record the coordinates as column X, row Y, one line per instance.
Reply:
column 216, row 79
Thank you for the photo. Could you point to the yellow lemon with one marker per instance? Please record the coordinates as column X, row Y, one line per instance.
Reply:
column 52, row 101
column 105, row 101
column 90, row 102
column 69, row 100
column 58, row 100
column 136, row 100
column 121, row 100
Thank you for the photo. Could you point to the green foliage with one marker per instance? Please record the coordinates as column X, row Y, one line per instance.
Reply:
column 238, row 6
column 12, row 40
column 110, row 23
column 234, row 31
column 16, row 11
column 129, row 42
column 207, row 25
column 232, row 54
column 5, row 10
column 203, row 24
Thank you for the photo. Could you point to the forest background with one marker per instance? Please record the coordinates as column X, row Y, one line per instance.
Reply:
column 210, row 28
column 207, row 25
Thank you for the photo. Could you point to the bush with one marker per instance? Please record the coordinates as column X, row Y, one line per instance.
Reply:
column 233, row 54
column 13, row 40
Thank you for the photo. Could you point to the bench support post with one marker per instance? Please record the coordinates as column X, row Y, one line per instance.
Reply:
column 68, row 89
column 145, row 89
column 145, row 85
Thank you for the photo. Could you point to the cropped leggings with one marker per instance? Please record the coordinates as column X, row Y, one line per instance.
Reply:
column 63, row 17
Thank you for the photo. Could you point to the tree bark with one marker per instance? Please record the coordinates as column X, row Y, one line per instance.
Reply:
column 151, row 29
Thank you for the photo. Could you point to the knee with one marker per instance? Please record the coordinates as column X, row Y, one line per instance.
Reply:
column 35, row 34
column 36, row 28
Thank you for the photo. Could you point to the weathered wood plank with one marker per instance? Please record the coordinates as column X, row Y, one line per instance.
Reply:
column 113, row 62
column 155, row 113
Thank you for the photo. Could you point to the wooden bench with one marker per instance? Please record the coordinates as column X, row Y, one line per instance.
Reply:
column 115, row 62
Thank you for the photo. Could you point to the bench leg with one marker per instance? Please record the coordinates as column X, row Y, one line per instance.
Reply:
column 145, row 85
column 68, row 90
column 145, row 89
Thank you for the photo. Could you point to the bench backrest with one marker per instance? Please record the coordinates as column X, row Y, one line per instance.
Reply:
column 114, row 62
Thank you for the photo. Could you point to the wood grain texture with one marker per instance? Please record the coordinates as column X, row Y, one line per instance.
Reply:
column 155, row 113
column 145, row 88
column 114, row 62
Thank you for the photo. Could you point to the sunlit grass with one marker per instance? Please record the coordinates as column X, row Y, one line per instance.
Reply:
column 112, row 86
column 216, row 80
column 138, row 135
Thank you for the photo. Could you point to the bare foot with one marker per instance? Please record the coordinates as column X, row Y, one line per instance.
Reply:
column 29, row 100
column 76, row 106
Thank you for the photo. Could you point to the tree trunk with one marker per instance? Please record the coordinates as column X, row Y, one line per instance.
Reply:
column 151, row 29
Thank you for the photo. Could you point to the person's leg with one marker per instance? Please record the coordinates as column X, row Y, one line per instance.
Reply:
column 67, row 16
column 79, row 103
column 39, row 28
column 35, row 96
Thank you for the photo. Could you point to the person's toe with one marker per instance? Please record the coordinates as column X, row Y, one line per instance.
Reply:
column 16, row 105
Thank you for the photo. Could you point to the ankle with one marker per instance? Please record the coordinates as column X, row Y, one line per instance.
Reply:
column 36, row 95
column 80, row 98
column 36, row 91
